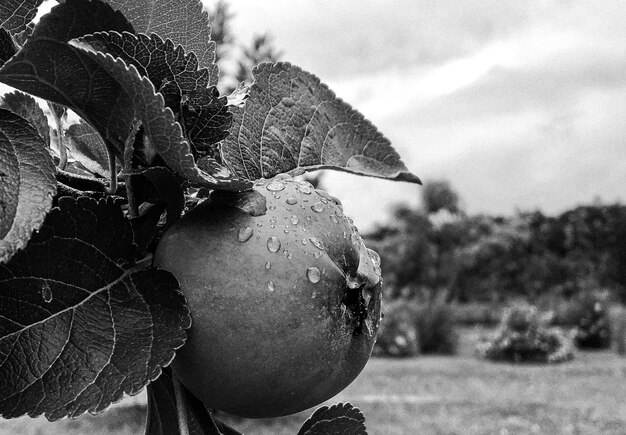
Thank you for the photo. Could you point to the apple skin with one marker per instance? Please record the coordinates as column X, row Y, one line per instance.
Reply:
column 268, row 337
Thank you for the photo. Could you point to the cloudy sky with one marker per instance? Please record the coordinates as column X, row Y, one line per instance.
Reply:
column 519, row 104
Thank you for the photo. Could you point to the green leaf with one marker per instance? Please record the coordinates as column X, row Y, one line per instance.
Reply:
column 16, row 14
column 88, row 148
column 184, row 22
column 77, row 330
column 340, row 419
column 291, row 123
column 26, row 107
column 27, row 183
column 176, row 76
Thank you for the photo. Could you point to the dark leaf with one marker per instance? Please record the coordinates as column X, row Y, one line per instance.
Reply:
column 27, row 183
column 184, row 22
column 291, row 122
column 177, row 77
column 21, row 37
column 87, row 147
column 16, row 14
column 161, row 186
column 339, row 419
column 164, row 133
column 162, row 413
column 76, row 329
column 7, row 46
column 26, row 106
column 103, row 91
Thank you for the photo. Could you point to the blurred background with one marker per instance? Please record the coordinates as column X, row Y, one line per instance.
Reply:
column 505, row 273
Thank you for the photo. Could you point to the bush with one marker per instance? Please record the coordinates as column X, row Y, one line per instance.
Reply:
column 523, row 336
column 476, row 313
column 593, row 328
column 410, row 328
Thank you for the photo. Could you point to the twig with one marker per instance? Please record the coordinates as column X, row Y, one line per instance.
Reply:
column 60, row 137
column 129, row 149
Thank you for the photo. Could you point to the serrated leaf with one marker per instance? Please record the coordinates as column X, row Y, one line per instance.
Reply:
column 164, row 133
column 88, row 148
column 16, row 14
column 27, row 183
column 7, row 47
column 184, row 22
column 339, row 419
column 103, row 91
column 291, row 122
column 162, row 412
column 76, row 329
column 177, row 77
column 25, row 106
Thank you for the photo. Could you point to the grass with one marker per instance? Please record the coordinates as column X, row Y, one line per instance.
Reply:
column 438, row 395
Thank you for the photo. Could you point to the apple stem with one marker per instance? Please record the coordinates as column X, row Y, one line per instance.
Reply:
column 180, row 408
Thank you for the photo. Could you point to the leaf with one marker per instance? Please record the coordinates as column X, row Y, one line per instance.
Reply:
column 76, row 329
column 16, row 14
column 184, row 22
column 87, row 147
column 291, row 122
column 7, row 46
column 103, row 91
column 339, row 419
column 164, row 133
column 26, row 107
column 177, row 77
column 27, row 183
column 162, row 412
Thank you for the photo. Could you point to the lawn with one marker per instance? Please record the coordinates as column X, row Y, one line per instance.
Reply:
column 438, row 395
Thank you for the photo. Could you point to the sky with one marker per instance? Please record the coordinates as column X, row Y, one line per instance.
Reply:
column 520, row 105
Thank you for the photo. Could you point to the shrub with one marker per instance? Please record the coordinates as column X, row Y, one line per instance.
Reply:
column 593, row 326
column 523, row 336
column 410, row 328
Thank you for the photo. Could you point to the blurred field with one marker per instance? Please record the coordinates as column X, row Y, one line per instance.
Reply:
column 437, row 395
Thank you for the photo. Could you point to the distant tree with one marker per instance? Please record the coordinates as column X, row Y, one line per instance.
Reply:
column 221, row 32
column 261, row 49
column 439, row 195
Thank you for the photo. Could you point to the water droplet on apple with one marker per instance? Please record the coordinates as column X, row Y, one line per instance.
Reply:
column 318, row 207
column 339, row 213
column 304, row 187
column 270, row 286
column 268, row 265
column 334, row 219
column 314, row 275
column 294, row 219
column 317, row 243
column 275, row 186
column 245, row 234
column 374, row 256
column 273, row 244
column 291, row 201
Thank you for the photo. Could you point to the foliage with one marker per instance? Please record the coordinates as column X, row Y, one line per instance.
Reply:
column 85, row 317
column 480, row 258
column 410, row 328
column 524, row 337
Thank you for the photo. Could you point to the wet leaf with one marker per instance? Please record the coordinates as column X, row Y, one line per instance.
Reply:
column 291, row 123
column 184, row 22
column 27, row 183
column 7, row 47
column 80, row 330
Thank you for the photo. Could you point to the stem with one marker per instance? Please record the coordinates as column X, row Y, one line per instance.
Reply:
column 60, row 137
column 180, row 408
column 113, row 186
column 129, row 149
